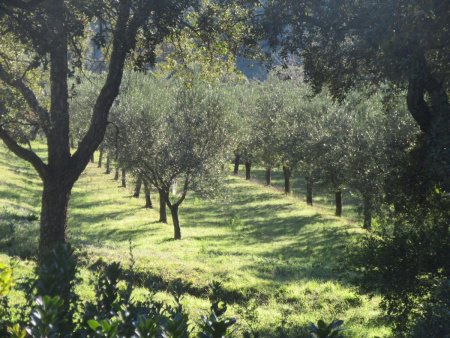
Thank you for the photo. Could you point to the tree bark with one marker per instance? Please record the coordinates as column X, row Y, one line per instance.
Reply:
column 116, row 174
column 100, row 157
column 309, row 191
column 367, row 210
column 338, row 200
column 248, row 168
column 287, row 179
column 53, row 222
column 237, row 161
column 108, row 164
column 268, row 176
column 92, row 158
column 176, row 222
column 124, row 178
column 137, row 188
column 162, row 207
column 148, row 199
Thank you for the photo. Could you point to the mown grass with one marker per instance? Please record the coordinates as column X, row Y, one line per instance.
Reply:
column 270, row 252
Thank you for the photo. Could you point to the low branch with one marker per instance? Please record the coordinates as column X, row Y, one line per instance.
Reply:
column 24, row 153
column 29, row 97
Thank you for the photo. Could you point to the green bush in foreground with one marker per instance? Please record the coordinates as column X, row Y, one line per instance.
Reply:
column 112, row 312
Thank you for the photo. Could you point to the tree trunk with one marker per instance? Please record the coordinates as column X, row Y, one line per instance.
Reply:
column 268, row 176
column 53, row 223
column 338, row 198
column 237, row 161
column 100, row 157
column 92, row 158
column 309, row 191
column 248, row 168
column 116, row 175
column 287, row 179
column 176, row 222
column 367, row 213
column 148, row 199
column 124, row 178
column 137, row 188
column 162, row 207
column 108, row 164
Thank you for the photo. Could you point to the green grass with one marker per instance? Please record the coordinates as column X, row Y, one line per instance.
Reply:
column 269, row 250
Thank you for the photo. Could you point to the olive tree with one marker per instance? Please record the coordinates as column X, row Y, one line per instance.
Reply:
column 182, row 144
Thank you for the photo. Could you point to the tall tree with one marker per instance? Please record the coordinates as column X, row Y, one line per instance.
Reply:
column 51, row 34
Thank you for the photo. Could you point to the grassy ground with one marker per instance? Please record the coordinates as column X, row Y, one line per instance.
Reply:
column 270, row 252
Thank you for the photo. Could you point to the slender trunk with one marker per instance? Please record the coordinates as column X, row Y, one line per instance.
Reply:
column 287, row 179
column 367, row 206
column 72, row 144
column 53, row 223
column 338, row 198
column 116, row 175
column 92, row 158
column 176, row 222
column 100, row 157
column 309, row 191
column 137, row 188
column 108, row 164
column 124, row 178
column 162, row 207
column 248, row 168
column 148, row 199
column 268, row 176
column 237, row 161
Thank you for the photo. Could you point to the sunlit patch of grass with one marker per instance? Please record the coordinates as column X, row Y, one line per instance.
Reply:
column 264, row 247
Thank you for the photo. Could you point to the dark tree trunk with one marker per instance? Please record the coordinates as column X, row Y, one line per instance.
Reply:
column 237, row 161
column 309, row 191
column 53, row 223
column 116, row 174
column 248, row 168
column 100, row 157
column 148, row 199
column 72, row 144
column 137, row 188
column 108, row 164
column 124, row 178
column 367, row 210
column 268, row 176
column 287, row 179
column 338, row 199
column 92, row 158
column 162, row 207
column 176, row 222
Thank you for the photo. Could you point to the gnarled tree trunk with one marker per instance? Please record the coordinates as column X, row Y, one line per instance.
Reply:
column 124, row 178
column 268, row 176
column 248, row 168
column 237, row 161
column 176, row 221
column 100, row 157
column 137, row 188
column 338, row 200
column 309, row 191
column 108, row 164
column 148, row 199
column 162, row 206
column 287, row 179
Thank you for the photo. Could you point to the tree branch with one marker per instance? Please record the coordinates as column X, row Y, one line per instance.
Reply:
column 24, row 153
column 28, row 95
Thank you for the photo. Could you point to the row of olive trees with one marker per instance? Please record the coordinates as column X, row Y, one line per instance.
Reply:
column 350, row 144
column 176, row 137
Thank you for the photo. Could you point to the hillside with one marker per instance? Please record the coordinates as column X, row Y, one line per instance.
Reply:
column 265, row 248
